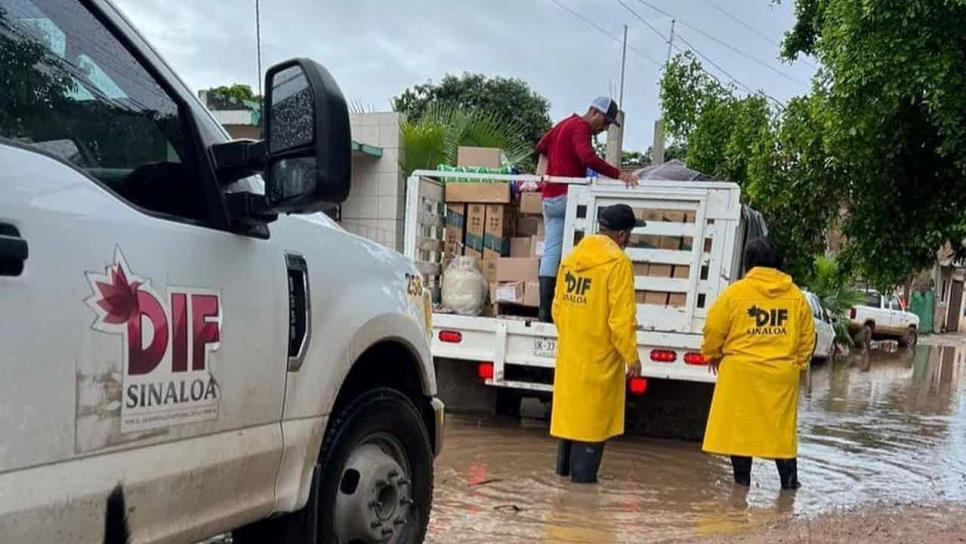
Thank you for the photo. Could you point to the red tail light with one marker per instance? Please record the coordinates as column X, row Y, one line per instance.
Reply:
column 663, row 356
column 450, row 337
column 637, row 386
column 485, row 371
column 852, row 313
column 693, row 358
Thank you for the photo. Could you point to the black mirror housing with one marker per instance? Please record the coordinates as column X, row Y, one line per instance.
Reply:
column 308, row 142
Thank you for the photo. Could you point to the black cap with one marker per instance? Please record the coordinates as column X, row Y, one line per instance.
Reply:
column 619, row 217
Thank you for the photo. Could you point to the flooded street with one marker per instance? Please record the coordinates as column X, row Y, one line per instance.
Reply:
column 878, row 429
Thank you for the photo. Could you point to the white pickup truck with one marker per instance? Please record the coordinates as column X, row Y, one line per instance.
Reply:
column 883, row 317
column 177, row 359
column 676, row 283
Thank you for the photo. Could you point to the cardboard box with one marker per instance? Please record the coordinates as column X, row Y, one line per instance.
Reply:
column 670, row 242
column 529, row 225
column 536, row 246
column 674, row 216
column 488, row 268
column 485, row 193
column 677, row 300
column 455, row 230
column 487, row 157
column 500, row 226
column 659, row 270
column 531, row 203
column 651, row 297
column 517, row 269
column 475, row 227
column 490, row 254
column 522, row 247
column 681, row 272
column 531, row 294
column 512, row 292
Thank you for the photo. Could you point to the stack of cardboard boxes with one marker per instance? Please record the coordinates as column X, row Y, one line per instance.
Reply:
column 673, row 243
column 505, row 237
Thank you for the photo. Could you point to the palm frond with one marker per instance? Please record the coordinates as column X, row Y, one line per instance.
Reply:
column 435, row 137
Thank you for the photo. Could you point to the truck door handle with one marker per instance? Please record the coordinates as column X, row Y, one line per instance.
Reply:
column 13, row 251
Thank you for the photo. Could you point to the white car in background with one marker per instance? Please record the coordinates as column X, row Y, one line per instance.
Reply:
column 824, row 330
column 882, row 316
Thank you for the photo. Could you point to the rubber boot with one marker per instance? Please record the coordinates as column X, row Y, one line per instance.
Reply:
column 585, row 462
column 788, row 473
column 742, row 468
column 547, row 288
column 563, row 457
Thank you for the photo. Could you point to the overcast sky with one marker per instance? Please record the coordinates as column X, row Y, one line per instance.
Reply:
column 377, row 48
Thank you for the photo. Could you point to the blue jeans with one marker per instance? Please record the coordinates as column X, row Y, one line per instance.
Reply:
column 554, row 211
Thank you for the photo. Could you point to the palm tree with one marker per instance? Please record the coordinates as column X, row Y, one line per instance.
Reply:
column 433, row 138
column 835, row 290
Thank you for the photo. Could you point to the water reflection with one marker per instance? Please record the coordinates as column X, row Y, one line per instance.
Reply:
column 878, row 427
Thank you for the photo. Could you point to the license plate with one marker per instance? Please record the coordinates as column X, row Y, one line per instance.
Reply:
column 544, row 347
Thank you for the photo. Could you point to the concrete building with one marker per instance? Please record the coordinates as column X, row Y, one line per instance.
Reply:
column 950, row 279
column 375, row 208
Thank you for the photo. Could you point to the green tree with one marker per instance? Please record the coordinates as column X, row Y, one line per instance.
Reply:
column 504, row 98
column 718, row 128
column 893, row 104
column 796, row 184
column 434, row 137
column 237, row 94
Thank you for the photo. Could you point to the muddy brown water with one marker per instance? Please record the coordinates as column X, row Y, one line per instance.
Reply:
column 875, row 429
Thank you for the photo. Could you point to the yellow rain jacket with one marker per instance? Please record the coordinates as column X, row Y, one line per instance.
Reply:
column 761, row 329
column 596, row 317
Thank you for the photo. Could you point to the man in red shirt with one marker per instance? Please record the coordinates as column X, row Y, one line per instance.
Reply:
column 567, row 152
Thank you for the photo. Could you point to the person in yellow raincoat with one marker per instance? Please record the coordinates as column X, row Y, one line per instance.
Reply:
column 758, row 337
column 596, row 316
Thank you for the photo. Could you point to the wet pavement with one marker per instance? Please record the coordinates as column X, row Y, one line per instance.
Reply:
column 875, row 429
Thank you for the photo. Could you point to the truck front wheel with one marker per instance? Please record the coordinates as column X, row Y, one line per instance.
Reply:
column 377, row 472
column 373, row 482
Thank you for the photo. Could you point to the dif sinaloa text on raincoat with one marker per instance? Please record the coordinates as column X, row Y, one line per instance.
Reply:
column 761, row 330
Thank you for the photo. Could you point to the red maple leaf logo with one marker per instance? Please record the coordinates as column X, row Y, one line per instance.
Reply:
column 118, row 298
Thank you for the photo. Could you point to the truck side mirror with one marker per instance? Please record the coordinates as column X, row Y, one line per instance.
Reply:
column 308, row 143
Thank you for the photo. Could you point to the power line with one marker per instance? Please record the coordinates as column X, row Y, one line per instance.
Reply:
column 667, row 39
column 713, row 63
column 753, row 30
column 722, row 42
column 779, row 103
column 606, row 33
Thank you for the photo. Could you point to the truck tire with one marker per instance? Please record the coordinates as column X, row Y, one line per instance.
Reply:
column 910, row 338
column 377, row 472
column 374, row 481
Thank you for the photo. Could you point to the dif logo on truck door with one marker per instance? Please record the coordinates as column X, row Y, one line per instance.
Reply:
column 167, row 342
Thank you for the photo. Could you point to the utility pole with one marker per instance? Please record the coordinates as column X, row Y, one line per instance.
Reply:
column 615, row 134
column 620, row 101
column 258, row 46
column 657, row 150
column 670, row 44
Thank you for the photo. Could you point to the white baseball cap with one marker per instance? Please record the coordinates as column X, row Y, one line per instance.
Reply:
column 608, row 107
